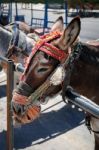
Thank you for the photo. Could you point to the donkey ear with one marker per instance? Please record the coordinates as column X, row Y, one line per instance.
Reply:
column 58, row 25
column 70, row 34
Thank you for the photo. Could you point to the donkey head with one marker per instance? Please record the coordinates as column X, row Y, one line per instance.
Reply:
column 50, row 51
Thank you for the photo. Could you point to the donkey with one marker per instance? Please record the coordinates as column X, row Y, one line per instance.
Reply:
column 21, row 26
column 19, row 37
column 50, row 51
column 25, row 36
column 18, row 45
column 86, row 70
column 44, row 75
column 26, row 39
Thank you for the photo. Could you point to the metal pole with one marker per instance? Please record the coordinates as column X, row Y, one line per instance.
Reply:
column 10, row 10
column 45, row 16
column 77, row 8
column 31, row 14
column 16, row 8
column 83, row 102
column 66, row 12
column 4, row 59
column 10, row 84
column 18, row 67
column 10, row 80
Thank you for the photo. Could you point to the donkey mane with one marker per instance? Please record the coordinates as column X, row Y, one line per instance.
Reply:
column 89, row 54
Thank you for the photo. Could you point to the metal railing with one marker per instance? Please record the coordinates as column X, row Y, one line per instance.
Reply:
column 82, row 102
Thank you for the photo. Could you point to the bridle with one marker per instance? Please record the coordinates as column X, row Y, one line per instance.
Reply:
column 43, row 45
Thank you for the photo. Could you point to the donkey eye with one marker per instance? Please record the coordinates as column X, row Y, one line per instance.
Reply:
column 47, row 56
column 42, row 69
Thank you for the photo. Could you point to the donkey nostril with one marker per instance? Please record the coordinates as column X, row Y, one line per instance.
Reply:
column 20, row 110
column 17, row 108
column 28, row 117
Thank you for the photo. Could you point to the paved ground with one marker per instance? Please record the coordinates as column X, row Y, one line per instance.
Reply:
column 60, row 126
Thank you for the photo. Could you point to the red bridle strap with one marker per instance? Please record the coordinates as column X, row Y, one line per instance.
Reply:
column 44, row 45
column 53, row 51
